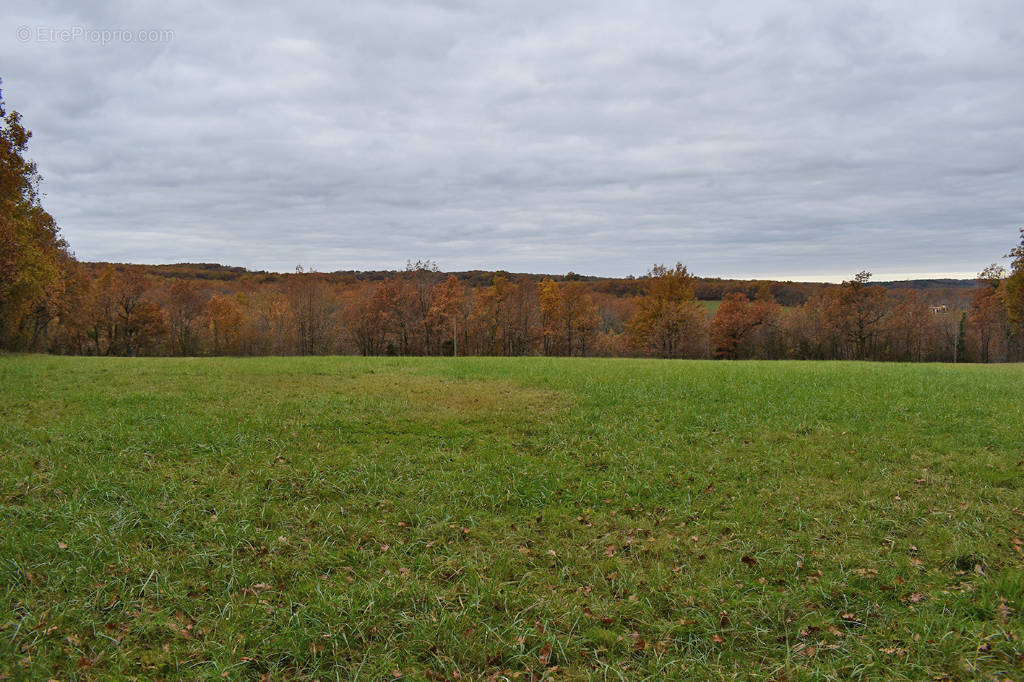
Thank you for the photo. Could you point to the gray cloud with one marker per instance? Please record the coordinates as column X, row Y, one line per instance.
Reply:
column 744, row 139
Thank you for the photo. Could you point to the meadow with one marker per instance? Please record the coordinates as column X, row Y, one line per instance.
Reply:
column 509, row 518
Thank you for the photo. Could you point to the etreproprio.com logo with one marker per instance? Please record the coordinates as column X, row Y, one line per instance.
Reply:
column 99, row 36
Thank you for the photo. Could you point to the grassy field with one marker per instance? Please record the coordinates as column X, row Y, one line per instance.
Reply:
column 517, row 518
column 710, row 306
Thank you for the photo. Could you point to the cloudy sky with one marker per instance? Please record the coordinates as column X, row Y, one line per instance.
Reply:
column 746, row 139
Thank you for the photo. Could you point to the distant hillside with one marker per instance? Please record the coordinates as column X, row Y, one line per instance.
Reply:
column 926, row 284
column 227, row 272
column 209, row 271
column 787, row 293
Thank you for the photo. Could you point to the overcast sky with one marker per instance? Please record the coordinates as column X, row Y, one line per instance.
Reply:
column 745, row 139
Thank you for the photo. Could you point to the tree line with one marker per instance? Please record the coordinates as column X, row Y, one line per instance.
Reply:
column 50, row 302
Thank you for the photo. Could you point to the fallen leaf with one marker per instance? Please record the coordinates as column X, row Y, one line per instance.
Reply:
column 1003, row 612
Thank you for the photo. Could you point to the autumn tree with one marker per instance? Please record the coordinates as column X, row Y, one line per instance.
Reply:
column 579, row 318
column 33, row 257
column 446, row 309
column 184, row 306
column 224, row 319
column 119, row 319
column 521, row 319
column 139, row 323
column 71, row 333
column 668, row 321
column 268, row 322
column 987, row 317
column 313, row 308
column 731, row 323
column 908, row 328
column 857, row 308
column 811, row 331
column 485, row 319
column 402, row 318
column 569, row 317
column 101, row 316
column 550, row 308
column 128, row 290
column 613, row 311
column 1014, row 288
column 379, row 323
column 736, row 320
column 421, row 278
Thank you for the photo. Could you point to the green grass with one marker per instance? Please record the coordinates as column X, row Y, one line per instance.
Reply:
column 348, row 518
column 710, row 306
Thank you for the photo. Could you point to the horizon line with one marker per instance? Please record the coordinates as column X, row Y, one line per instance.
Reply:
column 819, row 278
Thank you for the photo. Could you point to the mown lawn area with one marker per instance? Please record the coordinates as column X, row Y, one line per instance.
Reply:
column 527, row 518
